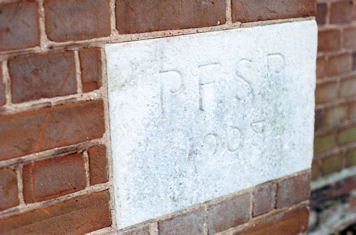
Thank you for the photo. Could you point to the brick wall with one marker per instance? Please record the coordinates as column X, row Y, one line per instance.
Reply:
column 55, row 158
column 335, row 130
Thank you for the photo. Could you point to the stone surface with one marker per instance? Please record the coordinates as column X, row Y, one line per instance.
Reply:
column 199, row 116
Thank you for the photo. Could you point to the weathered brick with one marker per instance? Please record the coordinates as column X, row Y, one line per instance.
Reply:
column 289, row 223
column 154, row 15
column 292, row 190
column 326, row 92
column 354, row 61
column 329, row 40
column 77, row 19
column 98, row 164
column 229, row 213
column 263, row 199
column 8, row 189
column 348, row 87
column 18, row 25
column 42, row 76
column 318, row 123
column 54, row 177
column 350, row 158
column 349, row 38
column 335, row 115
column 341, row 12
column 321, row 13
column 90, row 66
column 137, row 230
column 190, row 223
column 331, row 164
column 315, row 170
column 79, row 215
column 347, row 135
column 352, row 111
column 48, row 128
column 256, row 10
column 324, row 143
column 339, row 64
column 2, row 89
column 321, row 64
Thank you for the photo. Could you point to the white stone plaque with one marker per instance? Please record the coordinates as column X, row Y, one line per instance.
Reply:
column 199, row 116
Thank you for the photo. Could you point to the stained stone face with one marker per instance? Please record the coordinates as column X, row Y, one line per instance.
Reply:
column 199, row 116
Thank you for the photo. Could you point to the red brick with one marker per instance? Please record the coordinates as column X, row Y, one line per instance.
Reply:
column 292, row 190
column 8, row 189
column 79, row 215
column 289, row 223
column 256, row 10
column 335, row 115
column 54, row 177
column 338, row 65
column 98, row 164
column 77, row 19
column 348, row 87
column 190, row 223
column 341, row 12
column 229, row 213
column 318, row 123
column 350, row 38
column 2, row 89
column 137, row 230
column 321, row 13
column 263, row 199
column 352, row 111
column 18, row 25
column 331, row 164
column 48, row 128
column 90, row 66
column 354, row 61
column 154, row 15
column 321, row 64
column 326, row 92
column 329, row 40
column 42, row 76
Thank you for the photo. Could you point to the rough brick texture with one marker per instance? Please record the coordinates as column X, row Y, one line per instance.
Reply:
column 341, row 12
column 229, row 213
column 293, row 190
column 189, row 223
column 263, row 199
column 137, row 230
column 54, row 177
column 75, row 216
column 329, row 40
column 77, row 19
column 8, row 189
column 256, row 10
column 322, row 10
column 43, row 129
column 90, row 66
column 19, row 25
column 154, row 15
column 42, row 76
column 98, row 164
column 2, row 89
column 349, row 38
column 290, row 223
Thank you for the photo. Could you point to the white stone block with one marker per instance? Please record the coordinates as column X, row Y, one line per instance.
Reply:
column 199, row 116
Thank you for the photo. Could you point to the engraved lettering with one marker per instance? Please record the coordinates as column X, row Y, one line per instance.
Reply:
column 207, row 92
column 242, row 86
column 233, row 139
column 210, row 144
column 172, row 83
column 275, row 63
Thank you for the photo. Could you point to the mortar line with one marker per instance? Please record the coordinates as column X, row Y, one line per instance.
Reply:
column 78, row 72
column 20, row 184
column 228, row 12
column 86, row 167
column 7, row 83
column 41, row 20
